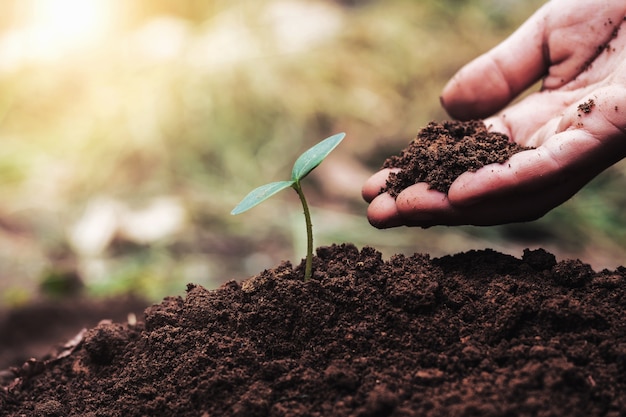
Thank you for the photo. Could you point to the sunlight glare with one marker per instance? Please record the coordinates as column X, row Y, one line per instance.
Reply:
column 49, row 29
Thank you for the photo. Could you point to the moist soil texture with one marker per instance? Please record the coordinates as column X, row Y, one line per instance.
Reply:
column 473, row 334
column 443, row 151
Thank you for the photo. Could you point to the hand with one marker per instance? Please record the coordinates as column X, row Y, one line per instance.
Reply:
column 576, row 122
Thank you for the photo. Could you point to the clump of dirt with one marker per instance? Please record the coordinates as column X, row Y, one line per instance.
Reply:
column 441, row 152
column 587, row 106
column 474, row 334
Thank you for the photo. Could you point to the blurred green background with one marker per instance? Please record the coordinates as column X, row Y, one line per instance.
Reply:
column 129, row 130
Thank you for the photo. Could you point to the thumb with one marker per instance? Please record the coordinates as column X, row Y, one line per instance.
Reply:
column 558, row 42
column 491, row 81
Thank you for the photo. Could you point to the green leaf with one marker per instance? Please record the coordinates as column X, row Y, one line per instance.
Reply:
column 310, row 159
column 260, row 194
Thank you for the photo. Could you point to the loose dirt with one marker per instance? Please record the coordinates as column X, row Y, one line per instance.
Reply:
column 443, row 151
column 474, row 334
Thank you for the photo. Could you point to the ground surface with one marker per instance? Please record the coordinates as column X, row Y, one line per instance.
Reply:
column 473, row 334
column 479, row 333
column 32, row 330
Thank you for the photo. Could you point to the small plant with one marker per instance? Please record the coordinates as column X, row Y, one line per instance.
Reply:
column 305, row 163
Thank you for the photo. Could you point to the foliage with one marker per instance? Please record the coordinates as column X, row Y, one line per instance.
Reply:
column 305, row 163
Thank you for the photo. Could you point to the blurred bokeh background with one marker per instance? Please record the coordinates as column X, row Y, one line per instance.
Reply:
column 129, row 130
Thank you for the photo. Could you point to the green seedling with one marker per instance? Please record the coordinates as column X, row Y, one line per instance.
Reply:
column 305, row 163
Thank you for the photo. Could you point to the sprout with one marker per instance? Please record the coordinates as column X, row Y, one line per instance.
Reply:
column 305, row 163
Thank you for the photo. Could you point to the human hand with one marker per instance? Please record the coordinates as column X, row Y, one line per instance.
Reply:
column 576, row 122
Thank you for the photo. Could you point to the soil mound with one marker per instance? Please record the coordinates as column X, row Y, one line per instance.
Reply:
column 474, row 334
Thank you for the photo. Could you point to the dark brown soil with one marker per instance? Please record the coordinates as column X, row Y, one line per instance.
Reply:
column 475, row 334
column 29, row 331
column 443, row 151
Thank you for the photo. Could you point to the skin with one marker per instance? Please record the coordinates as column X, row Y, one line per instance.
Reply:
column 578, row 49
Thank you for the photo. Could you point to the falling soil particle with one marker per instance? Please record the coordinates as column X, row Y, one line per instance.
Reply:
column 441, row 152
column 474, row 334
column 587, row 106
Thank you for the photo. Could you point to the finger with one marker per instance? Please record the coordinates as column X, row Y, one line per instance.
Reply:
column 376, row 183
column 415, row 206
column 491, row 81
column 556, row 44
column 601, row 117
column 562, row 157
column 577, row 39
column 419, row 205
column 382, row 212
column 527, row 126
column 520, row 206
column 588, row 140
column 524, row 171
column 426, row 209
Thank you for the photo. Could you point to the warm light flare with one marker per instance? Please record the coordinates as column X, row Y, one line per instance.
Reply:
column 49, row 29
column 70, row 20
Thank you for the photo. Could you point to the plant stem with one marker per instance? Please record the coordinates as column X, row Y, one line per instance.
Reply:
column 308, row 270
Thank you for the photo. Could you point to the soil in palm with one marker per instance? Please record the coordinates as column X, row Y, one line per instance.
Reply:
column 441, row 152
